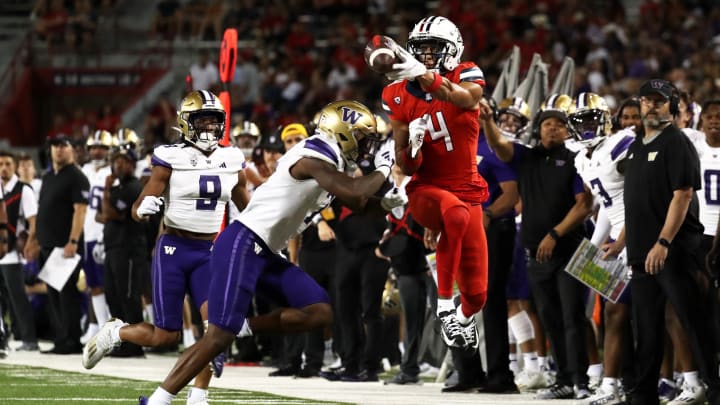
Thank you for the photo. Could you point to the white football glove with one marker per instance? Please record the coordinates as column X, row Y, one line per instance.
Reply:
column 392, row 199
column 408, row 69
column 417, row 129
column 385, row 157
column 150, row 205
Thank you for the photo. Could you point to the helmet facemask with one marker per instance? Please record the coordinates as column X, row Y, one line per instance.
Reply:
column 438, row 49
column 205, row 128
column 511, row 124
column 588, row 126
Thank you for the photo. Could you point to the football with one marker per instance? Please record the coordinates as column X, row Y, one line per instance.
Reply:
column 380, row 54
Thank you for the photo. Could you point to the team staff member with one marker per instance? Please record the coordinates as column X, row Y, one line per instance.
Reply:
column 125, row 246
column 555, row 204
column 60, row 219
column 21, row 208
column 662, row 235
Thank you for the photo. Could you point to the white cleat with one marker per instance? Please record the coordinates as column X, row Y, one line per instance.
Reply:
column 530, row 381
column 605, row 395
column 690, row 395
column 101, row 344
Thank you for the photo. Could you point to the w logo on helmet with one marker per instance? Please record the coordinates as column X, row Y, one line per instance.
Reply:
column 350, row 115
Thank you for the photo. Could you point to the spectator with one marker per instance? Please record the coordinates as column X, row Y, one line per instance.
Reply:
column 204, row 73
column 27, row 174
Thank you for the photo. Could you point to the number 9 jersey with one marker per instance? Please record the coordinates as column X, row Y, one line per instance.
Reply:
column 200, row 186
column 450, row 144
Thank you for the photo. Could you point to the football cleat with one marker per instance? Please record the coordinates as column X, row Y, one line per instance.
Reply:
column 101, row 344
column 453, row 333
column 218, row 364
column 690, row 394
column 530, row 380
column 605, row 395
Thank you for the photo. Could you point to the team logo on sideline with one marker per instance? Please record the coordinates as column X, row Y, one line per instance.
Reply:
column 169, row 250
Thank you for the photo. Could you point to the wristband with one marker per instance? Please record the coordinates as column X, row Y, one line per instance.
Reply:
column 385, row 170
column 664, row 243
column 74, row 241
column 316, row 219
column 437, row 82
column 553, row 234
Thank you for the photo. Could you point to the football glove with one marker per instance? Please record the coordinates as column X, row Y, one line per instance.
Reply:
column 417, row 129
column 393, row 199
column 408, row 69
column 384, row 157
column 150, row 205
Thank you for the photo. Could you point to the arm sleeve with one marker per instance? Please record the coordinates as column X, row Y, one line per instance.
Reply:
column 602, row 228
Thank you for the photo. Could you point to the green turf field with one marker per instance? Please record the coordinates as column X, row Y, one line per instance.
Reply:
column 35, row 385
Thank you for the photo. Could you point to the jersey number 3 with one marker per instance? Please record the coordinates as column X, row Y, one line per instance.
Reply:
column 441, row 132
column 209, row 193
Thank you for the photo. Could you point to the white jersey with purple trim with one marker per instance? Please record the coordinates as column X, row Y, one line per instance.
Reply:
column 709, row 194
column 599, row 172
column 279, row 207
column 200, row 186
column 93, row 230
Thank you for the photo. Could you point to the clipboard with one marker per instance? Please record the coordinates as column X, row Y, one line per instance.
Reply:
column 58, row 269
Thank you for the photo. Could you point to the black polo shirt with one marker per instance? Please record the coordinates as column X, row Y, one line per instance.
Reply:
column 652, row 173
column 125, row 232
column 548, row 183
column 58, row 193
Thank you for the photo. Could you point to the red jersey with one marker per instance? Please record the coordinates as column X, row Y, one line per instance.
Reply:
column 450, row 146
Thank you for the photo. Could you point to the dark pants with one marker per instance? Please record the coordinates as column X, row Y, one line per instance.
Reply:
column 315, row 263
column 124, row 273
column 359, row 284
column 674, row 283
column 13, row 280
column 500, row 240
column 64, row 307
column 413, row 296
column 560, row 303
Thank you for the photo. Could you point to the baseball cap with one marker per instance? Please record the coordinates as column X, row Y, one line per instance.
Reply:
column 656, row 86
column 552, row 113
column 272, row 143
column 60, row 139
column 294, row 129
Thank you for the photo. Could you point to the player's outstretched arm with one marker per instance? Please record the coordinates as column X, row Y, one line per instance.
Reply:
column 502, row 147
column 240, row 195
column 155, row 187
column 352, row 192
column 465, row 95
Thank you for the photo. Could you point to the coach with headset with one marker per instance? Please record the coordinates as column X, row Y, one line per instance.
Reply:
column 662, row 234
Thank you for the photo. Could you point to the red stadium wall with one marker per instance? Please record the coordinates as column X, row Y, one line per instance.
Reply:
column 39, row 93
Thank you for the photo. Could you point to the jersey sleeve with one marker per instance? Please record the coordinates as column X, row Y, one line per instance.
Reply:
column 235, row 158
column 619, row 150
column 314, row 147
column 392, row 102
column 163, row 156
column 470, row 72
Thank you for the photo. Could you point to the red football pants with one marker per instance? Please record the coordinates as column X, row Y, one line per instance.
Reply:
column 462, row 250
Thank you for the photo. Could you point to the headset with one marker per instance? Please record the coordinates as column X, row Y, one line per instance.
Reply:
column 674, row 100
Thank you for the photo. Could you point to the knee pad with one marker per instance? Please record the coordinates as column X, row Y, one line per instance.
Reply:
column 511, row 336
column 521, row 327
